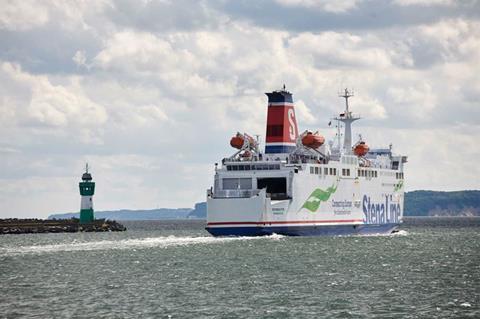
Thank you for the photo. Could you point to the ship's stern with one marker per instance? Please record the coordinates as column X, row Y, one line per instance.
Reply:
column 236, row 213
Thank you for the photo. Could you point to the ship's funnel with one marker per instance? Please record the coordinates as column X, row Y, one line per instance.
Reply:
column 282, row 128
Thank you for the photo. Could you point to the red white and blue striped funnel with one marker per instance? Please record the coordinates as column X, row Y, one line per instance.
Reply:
column 282, row 129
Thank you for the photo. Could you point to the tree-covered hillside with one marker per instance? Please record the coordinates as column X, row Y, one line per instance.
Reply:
column 433, row 203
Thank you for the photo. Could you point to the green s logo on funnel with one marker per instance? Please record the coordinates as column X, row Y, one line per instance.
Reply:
column 318, row 196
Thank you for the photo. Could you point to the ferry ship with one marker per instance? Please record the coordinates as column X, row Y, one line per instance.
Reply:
column 301, row 186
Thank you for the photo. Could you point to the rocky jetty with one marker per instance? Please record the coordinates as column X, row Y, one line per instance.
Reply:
column 37, row 226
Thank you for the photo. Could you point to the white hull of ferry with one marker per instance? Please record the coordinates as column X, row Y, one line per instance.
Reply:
column 320, row 204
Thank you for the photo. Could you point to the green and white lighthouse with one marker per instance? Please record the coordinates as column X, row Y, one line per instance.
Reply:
column 87, row 189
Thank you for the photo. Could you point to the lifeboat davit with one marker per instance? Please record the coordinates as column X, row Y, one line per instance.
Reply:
column 246, row 154
column 238, row 140
column 313, row 140
column 361, row 149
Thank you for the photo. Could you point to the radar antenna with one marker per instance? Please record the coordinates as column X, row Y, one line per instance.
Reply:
column 346, row 94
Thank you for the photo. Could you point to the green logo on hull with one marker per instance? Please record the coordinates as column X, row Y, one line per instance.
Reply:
column 318, row 196
column 398, row 186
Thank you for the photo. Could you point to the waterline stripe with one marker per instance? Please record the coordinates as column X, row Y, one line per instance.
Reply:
column 265, row 223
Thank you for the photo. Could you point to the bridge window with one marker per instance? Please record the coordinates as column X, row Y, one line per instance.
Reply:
column 395, row 164
column 237, row 183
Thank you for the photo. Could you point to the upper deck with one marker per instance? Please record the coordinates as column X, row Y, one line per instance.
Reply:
column 240, row 178
column 288, row 154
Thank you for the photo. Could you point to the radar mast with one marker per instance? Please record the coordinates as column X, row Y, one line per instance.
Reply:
column 347, row 118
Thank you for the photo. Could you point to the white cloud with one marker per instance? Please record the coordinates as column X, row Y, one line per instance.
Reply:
column 304, row 114
column 338, row 6
column 418, row 101
column 157, row 100
column 80, row 59
column 29, row 14
column 33, row 101
column 370, row 107
column 454, row 39
column 22, row 15
column 333, row 50
column 425, row 2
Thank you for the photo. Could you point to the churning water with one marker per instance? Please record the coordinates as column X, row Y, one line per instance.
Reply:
column 174, row 269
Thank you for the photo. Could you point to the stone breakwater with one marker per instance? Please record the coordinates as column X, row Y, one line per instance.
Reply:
column 37, row 226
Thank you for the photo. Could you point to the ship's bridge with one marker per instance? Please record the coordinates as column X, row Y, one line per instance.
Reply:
column 240, row 179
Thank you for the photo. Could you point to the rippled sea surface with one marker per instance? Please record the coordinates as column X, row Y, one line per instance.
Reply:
column 174, row 269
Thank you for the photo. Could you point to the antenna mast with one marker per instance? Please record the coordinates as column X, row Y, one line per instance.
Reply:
column 347, row 118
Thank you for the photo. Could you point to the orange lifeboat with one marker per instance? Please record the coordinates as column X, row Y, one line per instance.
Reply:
column 238, row 140
column 313, row 140
column 361, row 149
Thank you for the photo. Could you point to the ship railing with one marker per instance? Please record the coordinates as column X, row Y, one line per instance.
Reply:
column 235, row 193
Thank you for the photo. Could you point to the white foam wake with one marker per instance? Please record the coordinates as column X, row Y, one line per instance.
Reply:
column 275, row 236
column 139, row 243
column 395, row 234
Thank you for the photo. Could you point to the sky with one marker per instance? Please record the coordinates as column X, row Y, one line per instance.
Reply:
column 149, row 93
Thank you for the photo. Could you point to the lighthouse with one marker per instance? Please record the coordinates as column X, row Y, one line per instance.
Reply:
column 87, row 189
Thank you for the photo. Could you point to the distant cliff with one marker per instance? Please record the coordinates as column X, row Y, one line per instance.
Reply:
column 433, row 203
column 200, row 211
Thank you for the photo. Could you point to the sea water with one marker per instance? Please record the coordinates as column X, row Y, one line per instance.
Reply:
column 174, row 269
